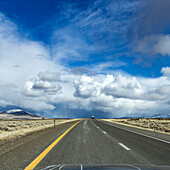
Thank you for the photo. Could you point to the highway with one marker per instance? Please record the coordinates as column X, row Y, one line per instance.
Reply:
column 91, row 142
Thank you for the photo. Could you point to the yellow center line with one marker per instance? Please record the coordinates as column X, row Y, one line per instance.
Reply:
column 35, row 162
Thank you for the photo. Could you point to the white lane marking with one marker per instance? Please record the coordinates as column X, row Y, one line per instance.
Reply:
column 85, row 124
column 94, row 124
column 144, row 135
column 61, row 167
column 104, row 132
column 53, row 168
column 50, row 166
column 125, row 147
column 133, row 166
column 98, row 128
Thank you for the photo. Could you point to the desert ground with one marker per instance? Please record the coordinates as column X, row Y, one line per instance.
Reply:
column 18, row 128
column 161, row 125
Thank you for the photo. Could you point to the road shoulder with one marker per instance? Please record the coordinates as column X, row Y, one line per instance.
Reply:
column 154, row 134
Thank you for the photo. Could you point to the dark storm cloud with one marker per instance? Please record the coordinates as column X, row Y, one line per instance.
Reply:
column 149, row 35
column 154, row 19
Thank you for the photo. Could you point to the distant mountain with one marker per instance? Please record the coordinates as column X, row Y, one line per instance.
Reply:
column 19, row 114
column 161, row 115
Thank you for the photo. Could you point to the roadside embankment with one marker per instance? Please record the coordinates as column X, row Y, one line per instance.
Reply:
column 18, row 128
column 161, row 125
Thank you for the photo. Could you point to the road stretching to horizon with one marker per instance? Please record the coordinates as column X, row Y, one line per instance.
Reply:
column 90, row 142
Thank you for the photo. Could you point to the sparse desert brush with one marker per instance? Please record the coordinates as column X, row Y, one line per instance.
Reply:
column 159, row 124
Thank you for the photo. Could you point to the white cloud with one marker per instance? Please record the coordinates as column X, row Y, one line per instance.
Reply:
column 86, row 87
column 29, row 91
column 68, row 45
column 30, row 57
column 166, row 71
column 124, row 94
column 124, row 87
column 31, row 80
column 49, row 76
column 46, row 83
column 20, row 61
column 4, row 103
column 37, row 106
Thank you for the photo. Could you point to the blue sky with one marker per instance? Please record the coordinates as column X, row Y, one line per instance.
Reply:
column 106, row 31
column 53, row 53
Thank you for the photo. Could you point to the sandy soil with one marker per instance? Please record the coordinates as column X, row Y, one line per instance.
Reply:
column 160, row 125
column 17, row 128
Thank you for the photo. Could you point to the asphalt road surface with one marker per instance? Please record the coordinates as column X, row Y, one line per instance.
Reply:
column 91, row 142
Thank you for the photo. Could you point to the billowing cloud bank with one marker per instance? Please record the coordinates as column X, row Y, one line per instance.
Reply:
column 32, row 80
column 124, row 94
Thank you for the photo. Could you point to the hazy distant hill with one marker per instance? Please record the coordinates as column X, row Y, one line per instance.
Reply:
column 161, row 115
column 19, row 114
